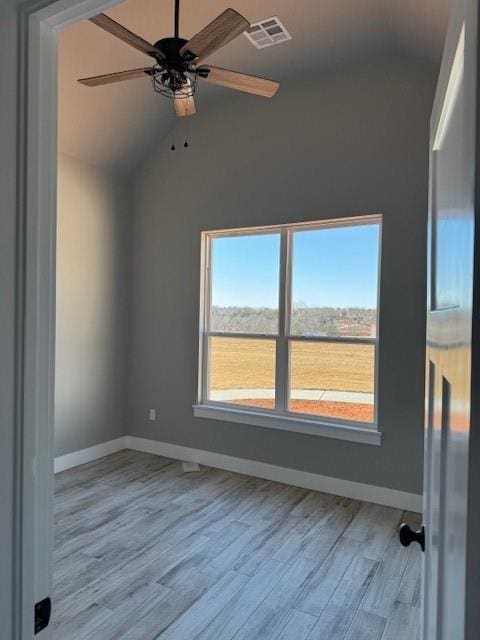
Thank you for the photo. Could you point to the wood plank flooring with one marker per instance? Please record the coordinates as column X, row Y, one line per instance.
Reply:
column 146, row 551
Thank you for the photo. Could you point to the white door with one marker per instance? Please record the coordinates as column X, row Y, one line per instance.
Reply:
column 451, row 571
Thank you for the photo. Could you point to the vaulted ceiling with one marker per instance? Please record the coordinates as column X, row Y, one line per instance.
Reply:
column 113, row 125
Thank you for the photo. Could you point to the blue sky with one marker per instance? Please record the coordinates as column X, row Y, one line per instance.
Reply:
column 331, row 267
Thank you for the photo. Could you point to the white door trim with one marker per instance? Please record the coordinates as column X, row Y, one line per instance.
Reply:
column 36, row 171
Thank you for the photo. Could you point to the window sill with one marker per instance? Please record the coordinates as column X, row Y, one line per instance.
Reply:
column 364, row 435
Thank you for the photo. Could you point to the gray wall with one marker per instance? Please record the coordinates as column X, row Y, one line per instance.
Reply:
column 91, row 318
column 351, row 142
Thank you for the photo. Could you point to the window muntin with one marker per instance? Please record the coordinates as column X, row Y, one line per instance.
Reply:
column 297, row 383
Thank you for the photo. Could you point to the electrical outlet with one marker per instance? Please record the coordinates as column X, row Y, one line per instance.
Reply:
column 152, row 415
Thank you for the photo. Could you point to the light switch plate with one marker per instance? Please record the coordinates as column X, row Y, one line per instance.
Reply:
column 152, row 414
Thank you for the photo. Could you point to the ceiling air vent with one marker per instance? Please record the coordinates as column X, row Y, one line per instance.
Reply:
column 267, row 33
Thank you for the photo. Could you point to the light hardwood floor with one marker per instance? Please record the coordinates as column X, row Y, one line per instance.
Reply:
column 145, row 551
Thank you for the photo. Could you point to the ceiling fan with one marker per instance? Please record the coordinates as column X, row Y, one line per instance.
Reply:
column 177, row 61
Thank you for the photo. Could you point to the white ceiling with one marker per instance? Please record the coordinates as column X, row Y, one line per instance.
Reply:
column 113, row 125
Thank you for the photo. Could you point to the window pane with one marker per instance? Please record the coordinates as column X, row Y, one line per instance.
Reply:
column 335, row 281
column 332, row 379
column 242, row 371
column 244, row 290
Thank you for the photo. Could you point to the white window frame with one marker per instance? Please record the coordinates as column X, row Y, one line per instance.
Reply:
column 281, row 417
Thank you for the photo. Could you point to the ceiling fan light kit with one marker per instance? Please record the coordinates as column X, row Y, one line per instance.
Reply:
column 177, row 67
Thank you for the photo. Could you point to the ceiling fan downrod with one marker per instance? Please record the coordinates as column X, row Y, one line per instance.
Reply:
column 177, row 18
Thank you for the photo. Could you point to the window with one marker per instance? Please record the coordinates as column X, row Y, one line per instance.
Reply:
column 289, row 326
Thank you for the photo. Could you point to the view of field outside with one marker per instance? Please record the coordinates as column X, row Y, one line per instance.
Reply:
column 334, row 294
column 329, row 379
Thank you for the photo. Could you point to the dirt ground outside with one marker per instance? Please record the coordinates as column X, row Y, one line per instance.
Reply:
column 343, row 410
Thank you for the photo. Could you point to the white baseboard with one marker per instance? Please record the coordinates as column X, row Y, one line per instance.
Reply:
column 304, row 479
column 87, row 455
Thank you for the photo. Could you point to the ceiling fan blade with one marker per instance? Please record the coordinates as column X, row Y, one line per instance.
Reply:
column 227, row 26
column 184, row 106
column 104, row 22
column 239, row 81
column 115, row 77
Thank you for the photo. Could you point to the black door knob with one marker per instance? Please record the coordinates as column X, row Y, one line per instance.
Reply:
column 408, row 535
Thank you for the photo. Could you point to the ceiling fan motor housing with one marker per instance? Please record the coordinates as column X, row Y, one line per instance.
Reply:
column 170, row 48
column 173, row 74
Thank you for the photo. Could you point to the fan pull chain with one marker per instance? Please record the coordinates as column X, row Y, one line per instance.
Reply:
column 172, row 148
column 185, row 144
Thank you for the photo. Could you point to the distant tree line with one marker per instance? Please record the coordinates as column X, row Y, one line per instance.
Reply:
column 324, row 321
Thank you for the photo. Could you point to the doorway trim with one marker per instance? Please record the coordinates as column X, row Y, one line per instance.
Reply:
column 36, row 193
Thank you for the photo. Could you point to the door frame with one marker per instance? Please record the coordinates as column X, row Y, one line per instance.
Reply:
column 36, row 196
column 38, row 24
